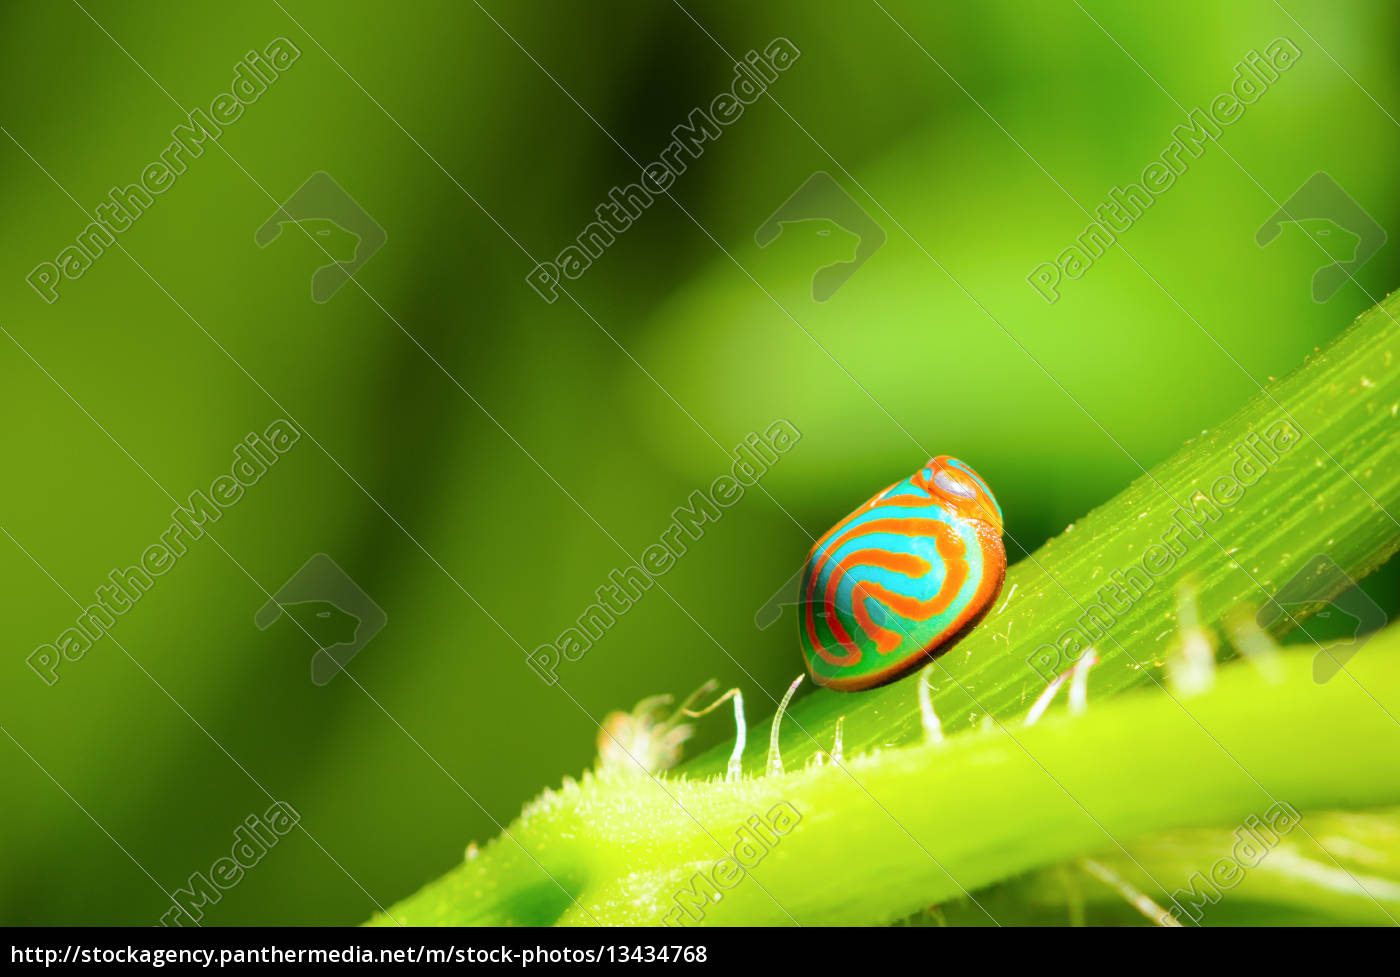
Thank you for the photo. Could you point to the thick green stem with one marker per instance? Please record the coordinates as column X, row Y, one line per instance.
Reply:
column 900, row 829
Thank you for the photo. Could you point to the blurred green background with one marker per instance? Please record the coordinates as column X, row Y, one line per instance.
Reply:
column 478, row 461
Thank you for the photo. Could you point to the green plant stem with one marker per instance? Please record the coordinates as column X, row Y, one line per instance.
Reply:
column 900, row 829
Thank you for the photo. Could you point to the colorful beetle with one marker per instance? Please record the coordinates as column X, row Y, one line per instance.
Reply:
column 896, row 582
